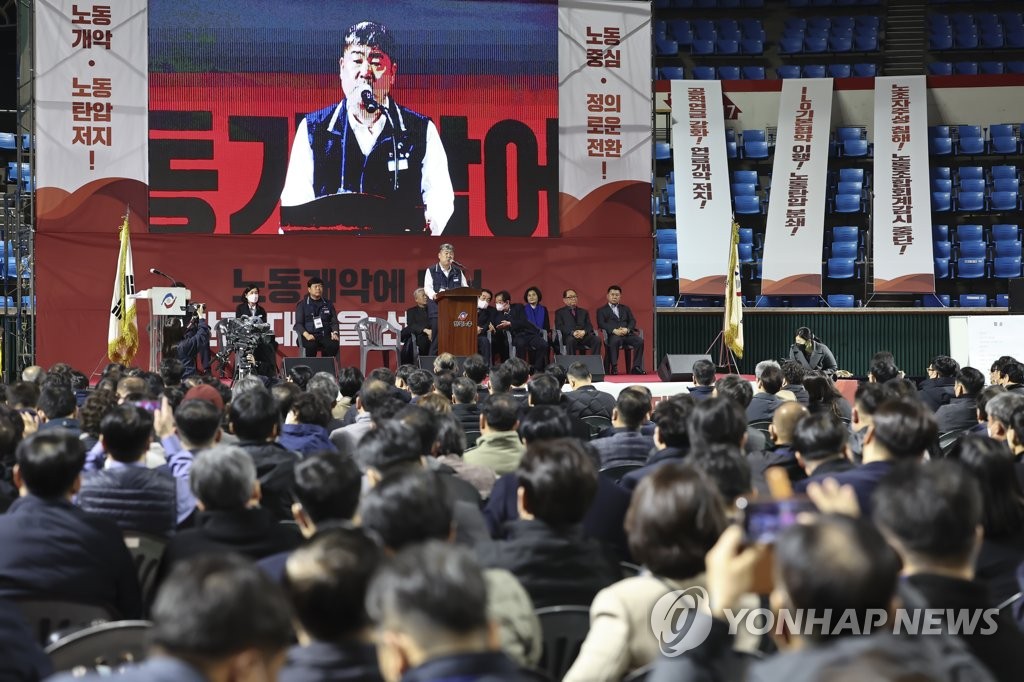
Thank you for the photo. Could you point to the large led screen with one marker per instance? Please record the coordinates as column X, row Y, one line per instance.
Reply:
column 419, row 116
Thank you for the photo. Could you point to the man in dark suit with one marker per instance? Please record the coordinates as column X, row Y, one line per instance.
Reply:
column 464, row 407
column 484, row 325
column 417, row 328
column 618, row 323
column 54, row 550
column 574, row 325
column 937, row 389
column 961, row 412
column 526, row 337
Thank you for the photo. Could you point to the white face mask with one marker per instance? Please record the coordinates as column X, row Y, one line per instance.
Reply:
column 481, row 303
column 252, row 298
column 500, row 307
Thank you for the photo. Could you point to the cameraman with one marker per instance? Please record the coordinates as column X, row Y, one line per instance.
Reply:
column 263, row 357
column 196, row 341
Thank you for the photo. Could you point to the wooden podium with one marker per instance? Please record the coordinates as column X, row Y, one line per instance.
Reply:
column 456, row 321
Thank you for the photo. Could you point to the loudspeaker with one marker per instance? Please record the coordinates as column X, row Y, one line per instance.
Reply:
column 427, row 362
column 679, row 367
column 317, row 364
column 595, row 363
column 1017, row 295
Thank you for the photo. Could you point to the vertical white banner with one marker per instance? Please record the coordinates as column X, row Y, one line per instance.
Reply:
column 702, row 190
column 795, row 229
column 902, row 243
column 604, row 113
column 92, row 122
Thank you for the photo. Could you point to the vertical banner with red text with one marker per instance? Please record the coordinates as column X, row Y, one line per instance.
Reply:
column 703, row 196
column 91, row 112
column 795, row 230
column 604, row 128
column 902, row 243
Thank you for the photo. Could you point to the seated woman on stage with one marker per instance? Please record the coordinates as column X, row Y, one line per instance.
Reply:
column 811, row 353
column 264, row 356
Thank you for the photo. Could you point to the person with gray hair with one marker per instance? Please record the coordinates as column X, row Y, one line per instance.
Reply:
column 418, row 331
column 325, row 385
column 246, row 384
column 429, row 606
column 765, row 401
column 1000, row 410
column 227, row 491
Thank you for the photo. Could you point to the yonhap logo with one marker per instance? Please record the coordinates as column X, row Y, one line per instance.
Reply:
column 681, row 620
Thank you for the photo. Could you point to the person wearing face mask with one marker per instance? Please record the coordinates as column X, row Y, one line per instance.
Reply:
column 369, row 144
column 484, row 324
column 526, row 336
column 811, row 353
column 265, row 352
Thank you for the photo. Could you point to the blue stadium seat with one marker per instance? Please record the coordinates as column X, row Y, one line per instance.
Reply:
column 840, row 42
column 942, row 185
column 840, row 301
column 1015, row 66
column 970, row 145
column 746, row 235
column 941, row 249
column 754, row 73
column 971, row 173
column 665, row 236
column 992, row 39
column 849, row 133
column 1005, row 232
column 966, row 40
column 970, row 201
column 848, row 203
column 940, row 41
column 665, row 301
column 704, row 73
column 853, row 175
column 840, row 268
column 747, row 205
column 973, row 300
column 702, row 46
column 972, row 249
column 969, row 233
column 936, row 300
column 663, row 268
column 939, row 131
column 1006, row 248
column 845, row 233
column 662, row 150
column 941, row 202
column 666, row 46
column 856, row 148
column 1003, row 201
column 732, row 149
column 816, row 43
column 755, row 150
column 787, row 71
column 803, row 301
column 744, row 189
column 1002, row 172
column 754, row 134
column 988, row 67
column 940, row 69
column 845, row 250
column 941, row 172
column 669, row 250
column 940, row 232
column 745, row 176
column 972, row 185
column 1002, row 301
column 940, row 146
column 941, row 268
column 814, row 71
column 745, row 252
column 865, row 42
column 970, row 268
column 729, row 73
column 840, row 70
column 791, row 45
column 865, row 70
column 675, row 73
column 1005, row 185
column 965, row 68
column 850, row 187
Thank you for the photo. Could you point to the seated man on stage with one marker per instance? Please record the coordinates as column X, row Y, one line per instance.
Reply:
column 316, row 323
column 574, row 324
column 618, row 322
column 484, row 324
column 417, row 334
column 351, row 147
column 526, row 336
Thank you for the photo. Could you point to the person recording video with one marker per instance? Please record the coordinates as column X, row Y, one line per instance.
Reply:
column 811, row 353
column 189, row 337
column 263, row 357
column 369, row 144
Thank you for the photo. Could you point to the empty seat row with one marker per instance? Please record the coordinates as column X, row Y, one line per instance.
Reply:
column 944, row 140
column 956, row 175
column 1000, row 232
column 857, row 70
column 973, row 38
column 1008, row 267
column 965, row 301
column 974, row 68
column 684, row 30
column 709, row 4
column 965, row 21
column 975, row 201
column 866, row 41
column 835, row 3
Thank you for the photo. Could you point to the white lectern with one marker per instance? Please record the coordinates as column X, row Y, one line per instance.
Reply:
column 163, row 302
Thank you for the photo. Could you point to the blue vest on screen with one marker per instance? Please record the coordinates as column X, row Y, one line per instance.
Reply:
column 375, row 173
column 452, row 280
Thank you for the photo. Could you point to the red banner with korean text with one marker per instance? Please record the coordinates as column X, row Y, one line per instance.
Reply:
column 604, row 104
column 363, row 276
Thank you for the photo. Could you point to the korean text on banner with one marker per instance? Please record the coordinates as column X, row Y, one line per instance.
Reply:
column 702, row 193
column 91, row 94
column 902, row 212
column 604, row 100
column 795, row 230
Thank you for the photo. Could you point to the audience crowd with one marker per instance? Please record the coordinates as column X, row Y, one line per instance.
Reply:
column 417, row 525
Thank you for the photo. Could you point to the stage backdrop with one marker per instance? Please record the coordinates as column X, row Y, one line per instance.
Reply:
column 228, row 83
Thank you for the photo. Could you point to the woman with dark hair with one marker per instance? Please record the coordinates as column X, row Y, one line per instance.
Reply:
column 823, row 396
column 264, row 353
column 1002, row 549
column 250, row 305
column 812, row 353
column 674, row 518
column 536, row 314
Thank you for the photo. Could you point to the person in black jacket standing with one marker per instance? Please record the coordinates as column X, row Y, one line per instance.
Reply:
column 316, row 322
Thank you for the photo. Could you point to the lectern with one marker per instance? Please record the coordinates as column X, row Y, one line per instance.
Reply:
column 163, row 302
column 456, row 321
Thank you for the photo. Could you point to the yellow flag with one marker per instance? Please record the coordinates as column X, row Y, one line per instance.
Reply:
column 123, row 330
column 733, row 323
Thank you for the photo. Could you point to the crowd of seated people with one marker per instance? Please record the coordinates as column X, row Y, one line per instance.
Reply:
column 408, row 525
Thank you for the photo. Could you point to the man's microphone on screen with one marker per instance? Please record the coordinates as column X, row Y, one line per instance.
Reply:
column 369, row 102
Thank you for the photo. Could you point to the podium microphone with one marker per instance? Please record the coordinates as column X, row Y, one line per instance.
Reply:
column 369, row 102
column 465, row 271
column 173, row 281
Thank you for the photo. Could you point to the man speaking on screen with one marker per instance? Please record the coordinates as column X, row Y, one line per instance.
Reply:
column 368, row 144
